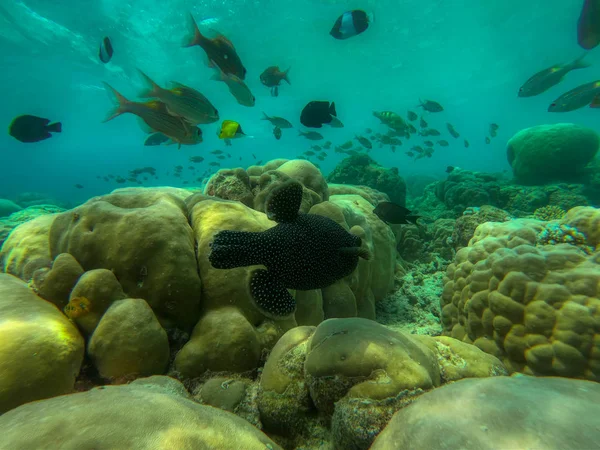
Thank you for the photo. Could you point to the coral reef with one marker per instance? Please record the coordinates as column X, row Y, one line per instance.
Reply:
column 141, row 254
column 498, row 412
column 465, row 225
column 547, row 153
column 151, row 412
column 425, row 242
column 252, row 186
column 361, row 169
column 358, row 373
column 121, row 287
column 464, row 189
column 414, row 306
column 533, row 305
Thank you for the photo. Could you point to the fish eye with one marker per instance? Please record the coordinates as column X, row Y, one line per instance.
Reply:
column 225, row 56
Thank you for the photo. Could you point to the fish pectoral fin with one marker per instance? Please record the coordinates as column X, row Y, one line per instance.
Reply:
column 269, row 295
column 284, row 202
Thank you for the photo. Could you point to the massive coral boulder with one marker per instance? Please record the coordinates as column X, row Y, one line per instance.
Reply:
column 233, row 332
column 361, row 169
column 153, row 413
column 373, row 279
column 499, row 413
column 357, row 373
column 253, row 186
column 141, row 234
column 152, row 244
column 231, row 184
column 27, row 248
column 464, row 188
column 526, row 291
column 129, row 341
column 40, row 350
column 7, row 224
column 546, row 153
column 56, row 283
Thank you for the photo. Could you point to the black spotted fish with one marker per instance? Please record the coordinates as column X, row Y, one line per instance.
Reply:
column 303, row 251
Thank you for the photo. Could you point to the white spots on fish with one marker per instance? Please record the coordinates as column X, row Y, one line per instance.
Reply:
column 303, row 251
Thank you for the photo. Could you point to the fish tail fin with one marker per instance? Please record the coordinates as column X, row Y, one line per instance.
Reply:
column 579, row 63
column 364, row 253
column 121, row 104
column 218, row 76
column 230, row 249
column 332, row 109
column 300, row 133
column 285, row 75
column 194, row 37
column 55, row 127
column 265, row 117
column 151, row 89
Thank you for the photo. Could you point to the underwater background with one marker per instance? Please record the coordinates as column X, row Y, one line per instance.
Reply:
column 414, row 263
column 470, row 56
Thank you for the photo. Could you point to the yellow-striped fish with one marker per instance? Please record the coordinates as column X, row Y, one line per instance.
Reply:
column 576, row 98
column 182, row 101
column 155, row 116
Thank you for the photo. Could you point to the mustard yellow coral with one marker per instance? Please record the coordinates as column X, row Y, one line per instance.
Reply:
column 537, row 308
column 550, row 212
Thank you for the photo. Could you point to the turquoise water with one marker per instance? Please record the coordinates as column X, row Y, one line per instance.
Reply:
column 469, row 55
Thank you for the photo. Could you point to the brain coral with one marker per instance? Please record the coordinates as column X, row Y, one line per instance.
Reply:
column 536, row 307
